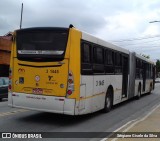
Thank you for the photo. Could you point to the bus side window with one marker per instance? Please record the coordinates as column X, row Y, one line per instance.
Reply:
column 109, row 61
column 118, row 63
column 86, row 65
column 141, row 69
column 137, row 69
column 151, row 71
column 86, row 53
column 98, row 57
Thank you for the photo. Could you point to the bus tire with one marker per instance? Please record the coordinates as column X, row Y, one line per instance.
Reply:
column 108, row 101
column 139, row 92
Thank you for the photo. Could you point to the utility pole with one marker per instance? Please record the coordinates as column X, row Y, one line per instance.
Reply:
column 21, row 16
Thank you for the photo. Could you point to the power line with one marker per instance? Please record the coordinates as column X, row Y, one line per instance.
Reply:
column 147, row 46
column 144, row 48
column 133, row 39
column 133, row 44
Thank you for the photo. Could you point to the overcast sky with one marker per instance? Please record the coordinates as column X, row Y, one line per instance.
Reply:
column 122, row 22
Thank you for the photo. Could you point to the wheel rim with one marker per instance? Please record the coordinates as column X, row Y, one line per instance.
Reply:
column 108, row 102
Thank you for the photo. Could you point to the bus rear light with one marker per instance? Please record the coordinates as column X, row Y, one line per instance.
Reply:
column 69, row 92
column 70, row 88
column 70, row 81
column 70, row 74
column 10, row 80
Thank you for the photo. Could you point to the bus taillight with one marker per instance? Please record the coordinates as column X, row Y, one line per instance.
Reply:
column 69, row 92
column 70, row 81
column 70, row 88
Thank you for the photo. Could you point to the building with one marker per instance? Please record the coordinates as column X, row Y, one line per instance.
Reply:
column 5, row 51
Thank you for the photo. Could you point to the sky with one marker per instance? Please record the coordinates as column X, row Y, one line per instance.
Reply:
column 125, row 23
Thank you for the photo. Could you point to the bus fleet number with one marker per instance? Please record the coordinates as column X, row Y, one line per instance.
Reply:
column 52, row 71
column 99, row 82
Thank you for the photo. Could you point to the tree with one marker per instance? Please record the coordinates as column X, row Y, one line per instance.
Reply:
column 146, row 56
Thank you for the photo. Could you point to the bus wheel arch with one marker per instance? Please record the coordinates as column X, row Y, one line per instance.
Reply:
column 108, row 100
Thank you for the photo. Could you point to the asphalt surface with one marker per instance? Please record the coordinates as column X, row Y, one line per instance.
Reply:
column 20, row 120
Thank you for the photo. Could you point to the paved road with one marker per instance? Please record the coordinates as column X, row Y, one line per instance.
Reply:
column 19, row 120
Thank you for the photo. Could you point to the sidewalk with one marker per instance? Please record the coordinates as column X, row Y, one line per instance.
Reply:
column 149, row 123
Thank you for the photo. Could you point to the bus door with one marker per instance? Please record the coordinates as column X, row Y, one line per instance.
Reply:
column 125, row 76
column 144, row 76
column 154, row 75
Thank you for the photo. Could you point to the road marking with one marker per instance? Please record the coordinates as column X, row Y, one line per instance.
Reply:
column 135, row 121
column 104, row 139
column 12, row 112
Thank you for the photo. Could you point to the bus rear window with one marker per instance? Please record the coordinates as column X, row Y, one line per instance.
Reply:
column 41, row 43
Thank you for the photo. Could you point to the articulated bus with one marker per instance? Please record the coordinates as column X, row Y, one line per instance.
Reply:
column 67, row 71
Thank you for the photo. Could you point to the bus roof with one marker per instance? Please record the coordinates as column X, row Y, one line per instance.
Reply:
column 91, row 38
column 144, row 59
column 42, row 28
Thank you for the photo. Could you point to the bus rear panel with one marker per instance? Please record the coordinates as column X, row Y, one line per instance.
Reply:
column 41, row 71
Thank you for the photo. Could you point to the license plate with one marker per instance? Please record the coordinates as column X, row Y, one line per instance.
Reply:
column 38, row 91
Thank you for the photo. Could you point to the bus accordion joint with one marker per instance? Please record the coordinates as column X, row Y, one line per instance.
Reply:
column 70, row 88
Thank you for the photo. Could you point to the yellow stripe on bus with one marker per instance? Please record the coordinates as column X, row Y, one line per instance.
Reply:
column 82, row 98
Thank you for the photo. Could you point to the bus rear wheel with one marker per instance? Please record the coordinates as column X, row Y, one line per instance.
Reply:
column 108, row 102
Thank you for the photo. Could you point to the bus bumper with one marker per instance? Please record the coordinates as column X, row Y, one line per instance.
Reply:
column 52, row 104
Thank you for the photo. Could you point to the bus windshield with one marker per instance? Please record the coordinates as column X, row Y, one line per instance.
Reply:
column 41, row 44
